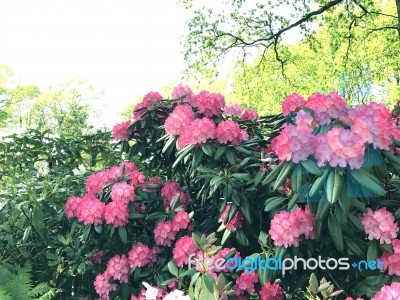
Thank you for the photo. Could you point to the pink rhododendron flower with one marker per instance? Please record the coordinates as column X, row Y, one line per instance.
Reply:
column 90, row 211
column 271, row 292
column 245, row 283
column 128, row 167
column 210, row 104
column 233, row 109
column 380, row 225
column 164, row 234
column 304, row 120
column 197, row 133
column 116, row 213
column 249, row 114
column 114, row 173
column 183, row 248
column 235, row 222
column 326, row 107
column 287, row 227
column 71, row 206
column 169, row 192
column 118, row 268
column 229, row 131
column 179, row 119
column 141, row 255
column 391, row 262
column 96, row 181
column 101, row 285
column 148, row 100
column 388, row 292
column 122, row 192
column 221, row 254
column 121, row 131
column 292, row 103
column 293, row 144
column 181, row 90
column 136, row 177
column 180, row 221
column 98, row 256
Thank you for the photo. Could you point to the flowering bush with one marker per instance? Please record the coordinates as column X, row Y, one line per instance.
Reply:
column 319, row 180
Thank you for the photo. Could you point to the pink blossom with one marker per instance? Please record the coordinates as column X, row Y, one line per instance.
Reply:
column 101, row 285
column 164, row 234
column 221, row 254
column 249, row 114
column 121, row 131
column 141, row 255
column 169, row 192
column 116, row 213
column 96, row 181
column 186, row 91
column 128, row 167
column 122, row 192
column 183, row 248
column 114, row 173
column 71, row 206
column 148, row 101
column 245, row 283
column 326, row 107
column 118, row 268
column 233, row 109
column 271, row 292
column 380, row 225
column 98, row 256
column 388, row 292
column 391, row 262
column 136, row 177
column 229, row 131
column 210, row 104
column 179, row 119
column 304, row 120
column 90, row 211
column 287, row 227
column 293, row 144
column 180, row 221
column 292, row 103
column 197, row 133
column 235, row 222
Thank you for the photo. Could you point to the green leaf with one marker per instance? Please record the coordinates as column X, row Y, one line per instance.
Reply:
column 333, row 186
column 230, row 157
column 319, row 183
column 208, row 149
column 355, row 248
column 259, row 176
column 37, row 221
column 220, row 151
column 367, row 183
column 123, row 236
column 322, row 210
column 280, row 180
column 197, row 158
column 335, row 232
column 312, row 167
column 272, row 175
column 272, row 203
column 173, row 269
column 373, row 251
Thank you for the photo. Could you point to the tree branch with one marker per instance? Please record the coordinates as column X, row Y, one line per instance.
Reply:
column 398, row 15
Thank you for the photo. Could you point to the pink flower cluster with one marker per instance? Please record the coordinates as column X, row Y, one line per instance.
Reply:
column 179, row 119
column 388, row 292
column 210, row 104
column 287, row 227
column 271, row 292
column 198, row 132
column 249, row 114
column 245, row 283
column 103, row 287
column 121, row 131
column 292, row 103
column 142, row 255
column 233, row 109
column 294, row 143
column 340, row 146
column 97, row 257
column 181, row 90
column 116, row 213
column 169, row 191
column 165, row 232
column 148, row 100
column 235, row 222
column 123, row 192
column 229, row 131
column 380, row 225
column 183, row 248
column 118, row 268
column 391, row 261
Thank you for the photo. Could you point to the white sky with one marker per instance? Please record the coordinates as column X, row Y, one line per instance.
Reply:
column 123, row 47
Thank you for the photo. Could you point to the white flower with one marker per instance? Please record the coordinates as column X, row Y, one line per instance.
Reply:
column 81, row 170
column 42, row 168
column 176, row 295
column 151, row 292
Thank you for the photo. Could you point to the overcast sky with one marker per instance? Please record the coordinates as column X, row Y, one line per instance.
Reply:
column 123, row 47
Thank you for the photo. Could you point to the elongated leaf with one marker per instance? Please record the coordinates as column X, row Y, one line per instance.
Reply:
column 123, row 236
column 272, row 203
column 335, row 232
column 373, row 251
column 272, row 175
column 280, row 180
column 312, row 167
column 365, row 182
column 319, row 183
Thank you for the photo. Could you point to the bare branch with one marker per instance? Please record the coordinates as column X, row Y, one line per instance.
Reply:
column 398, row 15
